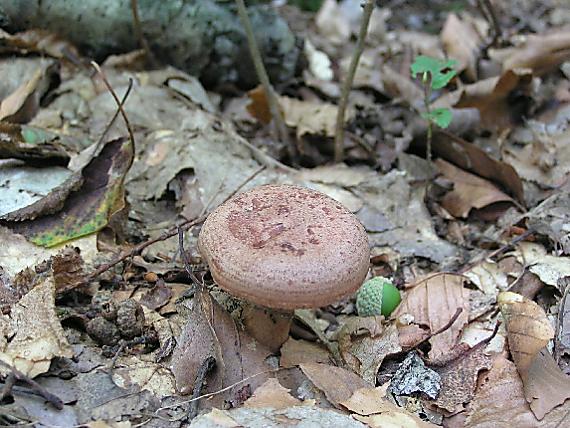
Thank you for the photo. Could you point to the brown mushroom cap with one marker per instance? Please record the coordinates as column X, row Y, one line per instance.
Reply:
column 285, row 247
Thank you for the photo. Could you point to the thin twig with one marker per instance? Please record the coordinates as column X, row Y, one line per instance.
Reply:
column 227, row 388
column 112, row 121
column 140, row 36
column 168, row 234
column 19, row 376
column 282, row 132
column 499, row 250
column 206, row 367
column 119, row 105
column 185, row 260
column 488, row 11
column 138, row 248
column 339, row 132
column 427, row 98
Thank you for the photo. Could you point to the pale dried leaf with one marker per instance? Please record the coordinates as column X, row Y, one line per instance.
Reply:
column 337, row 383
column 540, row 53
column 545, row 386
column 39, row 335
column 364, row 352
column 272, row 394
column 332, row 24
column 371, row 401
column 132, row 371
column 295, row 352
column 309, row 117
column 547, row 267
column 461, row 42
column 528, row 329
column 275, row 418
column 488, row 277
column 393, row 419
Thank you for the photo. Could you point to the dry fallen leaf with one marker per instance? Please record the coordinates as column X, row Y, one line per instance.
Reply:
column 547, row 267
column 471, row 158
column 309, row 117
column 459, row 379
column 462, row 43
column 364, row 347
column 337, row 383
column 433, row 303
column 499, row 402
column 22, row 105
column 332, row 23
column 39, row 336
column 540, row 53
column 211, row 332
column 295, row 352
column 272, row 394
column 545, row 386
column 372, row 408
column 490, row 96
column 529, row 331
column 528, row 328
column 469, row 191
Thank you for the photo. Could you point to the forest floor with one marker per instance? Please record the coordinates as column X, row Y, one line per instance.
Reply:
column 111, row 318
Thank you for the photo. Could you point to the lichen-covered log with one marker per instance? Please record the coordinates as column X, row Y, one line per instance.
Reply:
column 202, row 37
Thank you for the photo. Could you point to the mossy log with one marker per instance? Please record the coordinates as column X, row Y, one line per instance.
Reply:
column 202, row 37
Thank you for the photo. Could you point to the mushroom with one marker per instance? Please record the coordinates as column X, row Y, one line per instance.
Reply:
column 285, row 247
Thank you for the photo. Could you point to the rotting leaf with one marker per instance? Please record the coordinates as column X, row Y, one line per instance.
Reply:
column 90, row 208
column 27, row 192
column 459, row 379
column 552, row 217
column 365, row 350
column 33, row 145
column 562, row 340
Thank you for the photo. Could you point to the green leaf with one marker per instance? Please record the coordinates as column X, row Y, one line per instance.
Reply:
column 441, row 71
column 440, row 116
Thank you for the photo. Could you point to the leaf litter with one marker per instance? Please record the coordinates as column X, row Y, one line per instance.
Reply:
column 134, row 315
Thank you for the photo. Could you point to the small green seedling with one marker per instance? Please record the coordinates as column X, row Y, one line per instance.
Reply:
column 377, row 296
column 435, row 74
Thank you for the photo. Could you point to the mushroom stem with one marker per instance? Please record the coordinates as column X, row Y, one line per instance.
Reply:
column 270, row 327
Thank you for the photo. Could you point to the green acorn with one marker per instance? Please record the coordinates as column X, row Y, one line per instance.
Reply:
column 377, row 296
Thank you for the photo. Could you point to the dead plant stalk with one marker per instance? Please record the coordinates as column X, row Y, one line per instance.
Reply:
column 339, row 131
column 262, row 76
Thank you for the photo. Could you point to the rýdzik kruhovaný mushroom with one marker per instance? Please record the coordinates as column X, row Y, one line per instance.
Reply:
column 285, row 247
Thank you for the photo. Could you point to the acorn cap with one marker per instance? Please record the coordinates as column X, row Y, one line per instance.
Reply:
column 285, row 247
